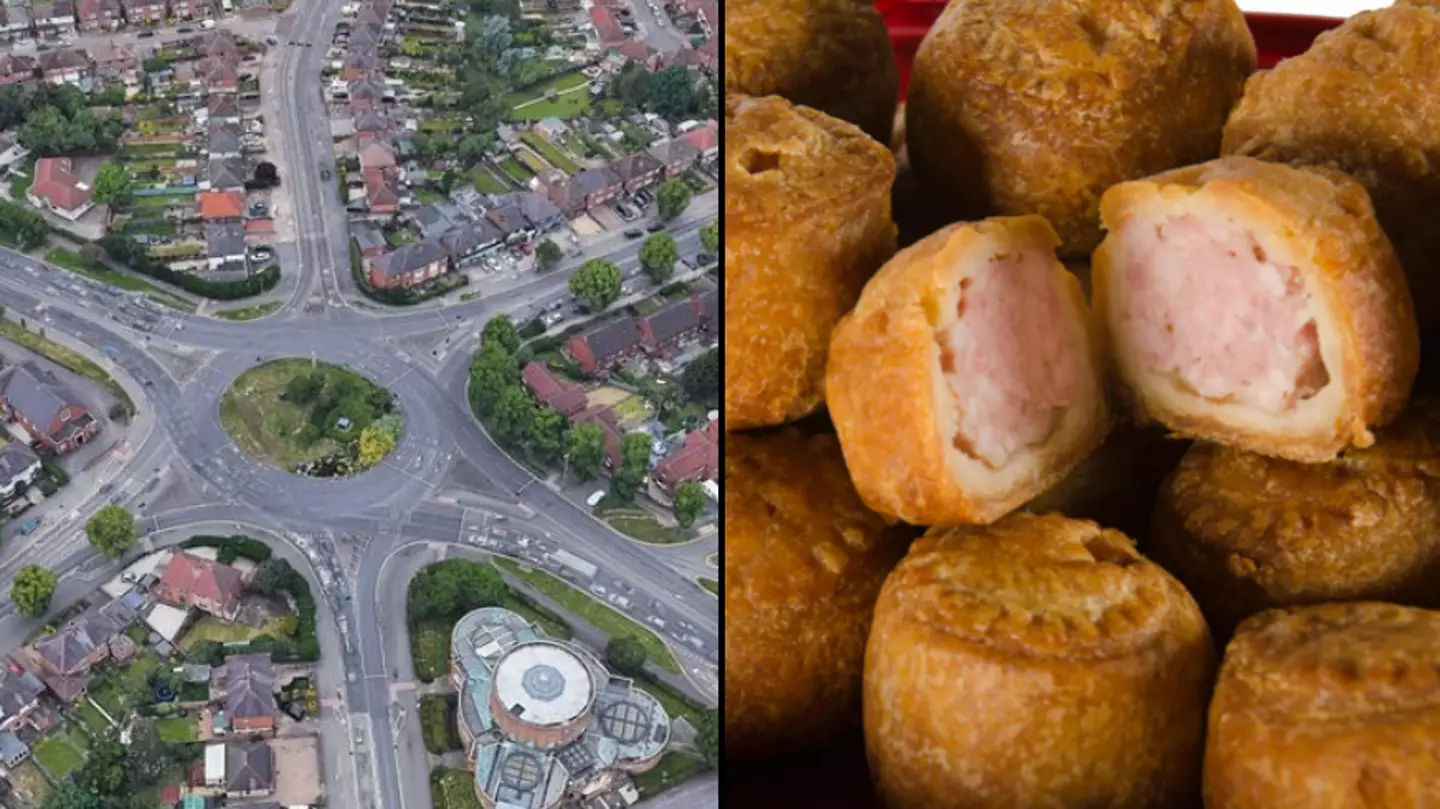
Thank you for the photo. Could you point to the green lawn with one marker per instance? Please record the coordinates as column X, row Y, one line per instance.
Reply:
column 673, row 769
column 551, row 625
column 568, row 81
column 149, row 149
column 453, row 789
column 81, row 265
column 62, row 753
column 487, row 183
column 572, row 99
column 548, row 150
column 517, row 172
column 602, row 617
column 154, row 201
column 20, row 183
column 647, row 529
column 60, row 354
column 430, row 196
column 116, row 691
column 711, row 585
column 430, row 649
column 91, row 717
column 178, row 729
column 250, row 312
column 531, row 160
column 210, row 628
column 398, row 238
column 676, row 704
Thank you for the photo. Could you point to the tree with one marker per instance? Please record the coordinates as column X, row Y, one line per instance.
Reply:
column 670, row 93
column 597, row 283
column 547, row 255
column 587, row 450
column 514, row 419
column 710, row 237
column 707, row 738
column 112, row 185
column 658, row 256
column 492, row 371
column 446, row 590
column 547, row 438
column 500, row 331
column 266, row 175
column 626, row 655
column 303, row 389
column 147, row 756
column 112, row 531
column 634, row 466
column 32, row 590
column 70, row 795
column 273, row 577
column 672, row 199
column 207, row 652
column 375, row 444
column 689, row 503
column 701, row 379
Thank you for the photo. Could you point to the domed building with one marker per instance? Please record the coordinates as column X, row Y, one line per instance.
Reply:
column 542, row 719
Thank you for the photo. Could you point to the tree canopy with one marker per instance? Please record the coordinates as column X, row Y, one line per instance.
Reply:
column 112, row 531
column 626, row 655
column 625, row 482
column 710, row 237
column 32, row 589
column 597, row 283
column 548, row 255
column 658, row 256
column 112, row 185
column 446, row 590
column 587, row 450
column 701, row 379
column 672, row 199
column 689, row 503
column 500, row 330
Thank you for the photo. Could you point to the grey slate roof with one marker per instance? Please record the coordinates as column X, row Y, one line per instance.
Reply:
column 223, row 105
column 590, row 181
column 249, row 767
column 224, row 138
column 673, row 319
column 410, row 257
column 249, row 686
column 634, row 166
column 18, row 688
column 674, row 151
column 509, row 219
column 37, row 395
column 612, row 339
column 226, row 173
column 11, row 748
column 224, row 239
column 537, row 208
column 368, row 236
column 15, row 457
column 66, row 649
column 467, row 239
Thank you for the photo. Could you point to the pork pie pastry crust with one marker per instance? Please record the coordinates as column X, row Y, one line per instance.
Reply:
column 1328, row 707
column 1037, row 662
column 832, row 55
column 1361, row 100
column 1256, row 305
column 968, row 377
column 1245, row 532
column 804, row 561
column 807, row 222
column 1037, row 106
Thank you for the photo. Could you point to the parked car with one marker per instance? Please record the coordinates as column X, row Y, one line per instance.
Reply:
column 594, row 499
column 655, row 227
column 634, row 233
column 145, row 34
column 185, row 29
column 705, row 259
column 325, row 174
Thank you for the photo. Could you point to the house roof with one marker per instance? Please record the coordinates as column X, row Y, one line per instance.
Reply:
column 224, row 239
column 567, row 398
column 218, row 70
column 201, row 578
column 408, row 258
column 221, row 204
column 509, row 219
column 612, row 339
column 608, row 31
column 18, row 688
column 226, row 173
column 371, row 121
column 15, row 458
column 64, row 59
column 703, row 138
column 219, row 43
column 259, row 226
column 249, row 686
column 222, row 105
column 224, row 138
column 635, row 166
column 605, row 418
column 537, row 208
column 367, row 89
column 113, row 51
column 674, row 150
column 382, row 187
column 65, row 650
column 15, row 16
column 11, row 748
column 470, row 237
column 592, row 180
column 707, row 301
column 673, row 319
column 249, row 767
column 56, row 183
column 698, row 459
column 377, row 156
column 14, row 64
column 38, row 396
column 87, row 9
column 367, row 236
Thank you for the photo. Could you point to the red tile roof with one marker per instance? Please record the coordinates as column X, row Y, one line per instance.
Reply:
column 382, row 189
column 567, row 398
column 190, row 576
column 704, row 137
column 255, row 227
column 56, row 183
column 605, row 27
column 609, row 424
column 699, row 459
column 222, row 204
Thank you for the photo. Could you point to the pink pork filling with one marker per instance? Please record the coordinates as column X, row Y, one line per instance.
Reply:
column 1204, row 305
column 1009, row 358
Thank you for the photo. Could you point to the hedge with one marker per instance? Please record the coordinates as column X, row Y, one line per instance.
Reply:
column 305, row 647
column 231, row 547
column 127, row 251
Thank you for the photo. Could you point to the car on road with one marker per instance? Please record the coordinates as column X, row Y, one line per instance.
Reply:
column 28, row 527
column 145, row 34
column 655, row 227
column 325, row 174
column 185, row 29
column 634, row 233
column 705, row 259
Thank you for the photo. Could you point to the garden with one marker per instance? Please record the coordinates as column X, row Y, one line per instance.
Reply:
column 453, row 789
column 438, row 722
column 61, row 753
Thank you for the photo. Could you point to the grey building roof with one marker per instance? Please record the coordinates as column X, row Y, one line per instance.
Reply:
column 223, row 105
column 509, row 219
column 410, row 257
column 590, row 181
column 709, row 299
column 674, row 151
column 249, row 686
column 612, row 339
column 18, row 688
column 371, row 121
column 11, row 748
column 249, row 767
column 224, row 138
column 224, row 239
column 15, row 458
column 38, row 396
column 66, row 649
column 468, row 238
column 439, row 218
column 537, row 208
column 673, row 319
column 368, row 236
column 226, row 173
column 631, row 167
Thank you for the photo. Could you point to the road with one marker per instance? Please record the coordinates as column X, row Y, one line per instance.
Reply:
column 175, row 367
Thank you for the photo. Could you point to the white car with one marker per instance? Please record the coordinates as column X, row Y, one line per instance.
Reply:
column 594, row 499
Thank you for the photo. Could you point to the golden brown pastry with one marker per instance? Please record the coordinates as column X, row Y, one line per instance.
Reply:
column 807, row 222
column 832, row 55
column 968, row 378
column 1245, row 532
column 804, row 561
column 1335, row 706
column 1036, row 662
column 1257, row 305
column 1038, row 106
column 1362, row 100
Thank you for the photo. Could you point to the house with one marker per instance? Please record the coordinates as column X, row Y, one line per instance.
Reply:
column 566, row 398
column 377, row 156
column 114, row 59
column 250, row 693
column 249, row 769
column 66, row 656
column 16, row 69
column 383, row 192
column 540, row 213
column 584, row 190
column 551, row 128
column 409, row 265
column 226, row 174
column 638, row 171
column 605, row 347
column 144, row 12
column 435, row 220
column 58, row 190
column 67, row 66
column 191, row 9
column 604, row 418
column 218, row 74
column 359, row 63
column 677, row 155
column 16, row 24
column 190, row 581
column 19, row 467
column 221, row 204
column 511, row 221
column 225, row 245
column 608, row 33
column 33, row 398
column 468, row 243
column 672, row 324
column 223, row 108
column 20, row 692
column 372, row 123
column 98, row 15
column 54, row 19
column 224, row 140
column 706, row 140
column 698, row 459
column 368, row 94
column 369, row 239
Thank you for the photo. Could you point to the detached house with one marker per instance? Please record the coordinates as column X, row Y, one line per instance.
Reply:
column 224, row 141
column 68, row 66
column 249, row 769
column 144, row 12
column 64, row 658
column 604, row 348
column 33, row 398
column 226, row 174
column 191, row 9
column 190, row 581
column 54, row 19
column 217, row 205
column 116, row 60
column 57, row 189
column 638, row 171
column 225, row 245
column 409, row 265
column 698, row 459
column 99, row 15
column 16, row 24
column 250, row 693
column 19, row 467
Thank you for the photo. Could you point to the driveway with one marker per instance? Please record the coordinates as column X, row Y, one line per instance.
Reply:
column 297, row 771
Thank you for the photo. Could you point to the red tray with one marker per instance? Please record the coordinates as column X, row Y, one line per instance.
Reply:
column 838, row 778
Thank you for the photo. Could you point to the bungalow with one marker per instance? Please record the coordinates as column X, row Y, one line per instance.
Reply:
column 542, row 215
column 468, row 243
column 218, row 74
column 604, row 418
column 190, row 581
column 409, row 265
column 566, row 398
column 16, row 24
column 191, row 9
column 54, row 19
column 250, row 693
column 225, row 245
column 99, row 15
column 223, row 108
column 638, row 171
column 221, row 205
column 33, row 398
column 226, row 174
column 383, row 192
column 586, row 189
column 144, row 12
column 68, row 66
column 19, row 467
column 377, row 156
column 698, row 459
column 676, row 154
column 224, row 140
column 605, row 347
column 369, row 239
column 116, row 60
column 672, row 324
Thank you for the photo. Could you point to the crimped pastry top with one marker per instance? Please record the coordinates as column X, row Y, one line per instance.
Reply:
column 784, row 161
column 794, row 526
column 1042, row 586
column 1334, row 663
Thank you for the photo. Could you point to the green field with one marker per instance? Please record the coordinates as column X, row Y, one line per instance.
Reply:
column 177, row 729
column 673, row 769
column 250, row 312
column 549, row 151
column 647, row 529
column 210, row 628
column 600, row 616
column 81, row 265
column 62, row 753
column 487, row 183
